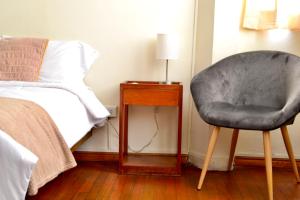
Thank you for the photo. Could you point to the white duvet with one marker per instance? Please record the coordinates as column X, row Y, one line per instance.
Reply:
column 75, row 110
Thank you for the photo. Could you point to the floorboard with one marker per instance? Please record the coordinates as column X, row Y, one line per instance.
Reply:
column 100, row 180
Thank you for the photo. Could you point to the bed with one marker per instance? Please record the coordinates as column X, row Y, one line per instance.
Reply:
column 72, row 106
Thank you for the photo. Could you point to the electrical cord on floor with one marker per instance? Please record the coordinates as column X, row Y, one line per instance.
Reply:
column 108, row 137
column 148, row 143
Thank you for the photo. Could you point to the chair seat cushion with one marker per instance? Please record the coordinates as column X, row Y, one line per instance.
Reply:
column 253, row 117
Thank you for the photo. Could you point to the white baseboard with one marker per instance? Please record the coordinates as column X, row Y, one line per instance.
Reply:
column 217, row 163
column 274, row 155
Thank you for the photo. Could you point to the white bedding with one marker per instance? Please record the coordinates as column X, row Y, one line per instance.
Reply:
column 16, row 166
column 75, row 110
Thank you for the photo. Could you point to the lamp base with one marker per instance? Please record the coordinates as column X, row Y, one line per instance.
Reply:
column 166, row 82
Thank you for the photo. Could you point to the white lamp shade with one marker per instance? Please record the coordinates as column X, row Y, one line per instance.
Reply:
column 166, row 46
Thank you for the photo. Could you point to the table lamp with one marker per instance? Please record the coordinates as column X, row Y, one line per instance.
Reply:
column 166, row 49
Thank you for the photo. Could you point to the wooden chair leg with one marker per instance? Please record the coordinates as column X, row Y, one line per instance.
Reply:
column 289, row 149
column 210, row 150
column 268, row 161
column 234, row 139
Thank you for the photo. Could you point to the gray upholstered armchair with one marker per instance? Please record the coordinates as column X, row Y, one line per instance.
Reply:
column 254, row 90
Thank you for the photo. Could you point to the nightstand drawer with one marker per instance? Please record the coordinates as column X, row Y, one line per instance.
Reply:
column 151, row 97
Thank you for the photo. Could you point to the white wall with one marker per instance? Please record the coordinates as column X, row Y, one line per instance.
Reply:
column 229, row 38
column 124, row 32
column 199, row 131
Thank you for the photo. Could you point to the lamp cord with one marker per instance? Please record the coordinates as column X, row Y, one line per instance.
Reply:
column 148, row 143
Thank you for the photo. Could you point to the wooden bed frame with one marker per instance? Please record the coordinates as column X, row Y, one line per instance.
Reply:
column 82, row 140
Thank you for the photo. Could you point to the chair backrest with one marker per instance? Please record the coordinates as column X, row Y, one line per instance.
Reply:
column 252, row 78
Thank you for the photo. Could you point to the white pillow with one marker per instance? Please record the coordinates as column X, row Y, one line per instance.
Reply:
column 66, row 61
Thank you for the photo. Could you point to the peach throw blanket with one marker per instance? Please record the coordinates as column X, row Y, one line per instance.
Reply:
column 21, row 58
column 30, row 125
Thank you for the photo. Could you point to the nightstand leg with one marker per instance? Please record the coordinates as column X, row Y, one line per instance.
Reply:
column 179, row 132
column 126, row 129
column 121, row 136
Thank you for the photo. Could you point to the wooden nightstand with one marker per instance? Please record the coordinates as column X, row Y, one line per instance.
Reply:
column 148, row 93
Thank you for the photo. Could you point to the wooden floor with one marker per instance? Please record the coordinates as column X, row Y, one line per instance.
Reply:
column 95, row 180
